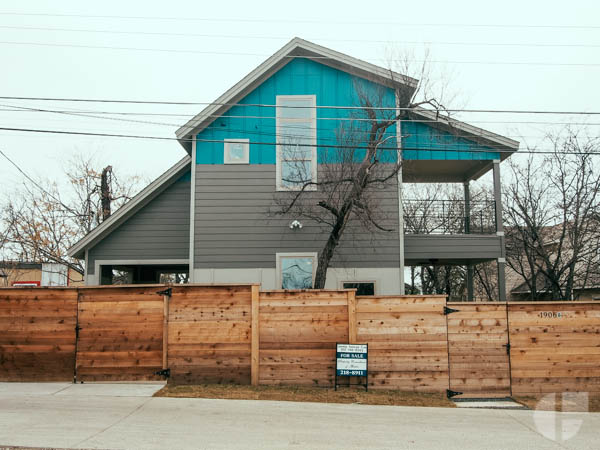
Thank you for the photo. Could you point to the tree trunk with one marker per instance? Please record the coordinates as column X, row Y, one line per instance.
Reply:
column 105, row 192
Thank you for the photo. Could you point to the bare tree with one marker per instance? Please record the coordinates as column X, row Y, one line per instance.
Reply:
column 350, row 173
column 552, row 218
column 41, row 220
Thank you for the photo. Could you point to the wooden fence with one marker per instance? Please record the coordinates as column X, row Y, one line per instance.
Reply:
column 478, row 349
column 37, row 334
column 238, row 334
column 554, row 346
column 407, row 341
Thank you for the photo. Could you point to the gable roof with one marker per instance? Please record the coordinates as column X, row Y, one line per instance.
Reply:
column 130, row 208
column 296, row 48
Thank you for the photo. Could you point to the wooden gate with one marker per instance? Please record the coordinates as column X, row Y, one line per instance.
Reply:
column 210, row 334
column 478, row 350
column 120, row 333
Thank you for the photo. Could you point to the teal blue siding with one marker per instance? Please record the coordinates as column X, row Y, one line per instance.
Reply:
column 332, row 87
column 425, row 142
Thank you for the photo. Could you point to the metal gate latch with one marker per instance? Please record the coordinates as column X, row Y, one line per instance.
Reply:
column 450, row 310
column 450, row 393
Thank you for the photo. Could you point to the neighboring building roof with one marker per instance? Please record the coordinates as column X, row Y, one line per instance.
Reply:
column 20, row 265
column 131, row 207
column 298, row 48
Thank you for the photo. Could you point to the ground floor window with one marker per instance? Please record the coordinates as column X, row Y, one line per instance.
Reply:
column 144, row 274
column 296, row 270
column 362, row 287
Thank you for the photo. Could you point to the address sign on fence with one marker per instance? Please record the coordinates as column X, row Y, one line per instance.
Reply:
column 351, row 360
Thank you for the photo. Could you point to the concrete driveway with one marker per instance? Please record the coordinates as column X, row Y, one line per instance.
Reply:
column 125, row 416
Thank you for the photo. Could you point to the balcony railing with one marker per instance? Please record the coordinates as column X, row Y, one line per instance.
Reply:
column 449, row 217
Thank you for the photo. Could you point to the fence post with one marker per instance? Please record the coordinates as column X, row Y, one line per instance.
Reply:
column 255, row 348
column 76, row 333
column 352, row 325
column 165, row 361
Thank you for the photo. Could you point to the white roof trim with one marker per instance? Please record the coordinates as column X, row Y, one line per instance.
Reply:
column 494, row 138
column 128, row 208
column 277, row 60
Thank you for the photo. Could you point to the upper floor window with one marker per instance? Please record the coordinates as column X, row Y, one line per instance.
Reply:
column 296, row 125
column 236, row 151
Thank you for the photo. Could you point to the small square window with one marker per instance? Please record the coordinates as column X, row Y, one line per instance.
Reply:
column 237, row 151
column 296, row 270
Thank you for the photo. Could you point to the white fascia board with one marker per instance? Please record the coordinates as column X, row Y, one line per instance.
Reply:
column 493, row 138
column 128, row 208
column 272, row 64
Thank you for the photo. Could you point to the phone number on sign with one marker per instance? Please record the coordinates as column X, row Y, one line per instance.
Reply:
column 352, row 372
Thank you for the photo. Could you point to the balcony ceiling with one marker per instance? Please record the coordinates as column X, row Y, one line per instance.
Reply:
column 444, row 171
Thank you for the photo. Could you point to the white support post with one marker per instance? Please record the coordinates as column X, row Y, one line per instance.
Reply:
column 400, row 208
column 192, row 209
column 500, row 232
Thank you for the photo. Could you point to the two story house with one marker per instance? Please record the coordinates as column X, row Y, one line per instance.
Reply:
column 208, row 219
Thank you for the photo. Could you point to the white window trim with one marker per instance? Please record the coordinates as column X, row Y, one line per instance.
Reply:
column 226, row 144
column 279, row 256
column 341, row 284
column 278, row 126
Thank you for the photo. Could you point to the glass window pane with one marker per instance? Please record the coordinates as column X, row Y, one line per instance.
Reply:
column 295, row 108
column 295, row 173
column 237, row 151
column 361, row 288
column 295, row 152
column 296, row 273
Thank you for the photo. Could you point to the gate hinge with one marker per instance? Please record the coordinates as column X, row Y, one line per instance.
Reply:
column 163, row 373
column 507, row 348
column 450, row 393
column 450, row 310
column 168, row 292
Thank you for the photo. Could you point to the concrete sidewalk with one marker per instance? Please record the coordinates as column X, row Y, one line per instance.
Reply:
column 125, row 416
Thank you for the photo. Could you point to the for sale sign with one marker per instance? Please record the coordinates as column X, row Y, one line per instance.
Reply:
column 351, row 360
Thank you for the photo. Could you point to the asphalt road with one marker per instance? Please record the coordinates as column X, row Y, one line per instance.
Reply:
column 121, row 416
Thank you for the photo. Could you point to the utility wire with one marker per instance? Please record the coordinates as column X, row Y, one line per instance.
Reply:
column 190, row 116
column 328, row 21
column 220, row 141
column 267, row 105
column 36, row 184
column 278, row 38
column 289, row 127
column 211, row 52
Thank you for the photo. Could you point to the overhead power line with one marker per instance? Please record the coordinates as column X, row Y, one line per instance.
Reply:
column 267, row 105
column 264, row 55
column 189, row 116
column 298, row 20
column 36, row 184
column 279, row 38
column 220, row 141
column 291, row 128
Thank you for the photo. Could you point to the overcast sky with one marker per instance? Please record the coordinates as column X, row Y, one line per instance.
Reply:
column 511, row 55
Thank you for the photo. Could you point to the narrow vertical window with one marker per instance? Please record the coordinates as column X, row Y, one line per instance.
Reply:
column 296, row 119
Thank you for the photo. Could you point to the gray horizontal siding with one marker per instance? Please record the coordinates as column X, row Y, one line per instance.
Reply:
column 421, row 248
column 160, row 230
column 235, row 226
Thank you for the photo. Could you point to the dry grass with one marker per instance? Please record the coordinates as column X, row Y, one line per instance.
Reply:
column 556, row 402
column 306, row 394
